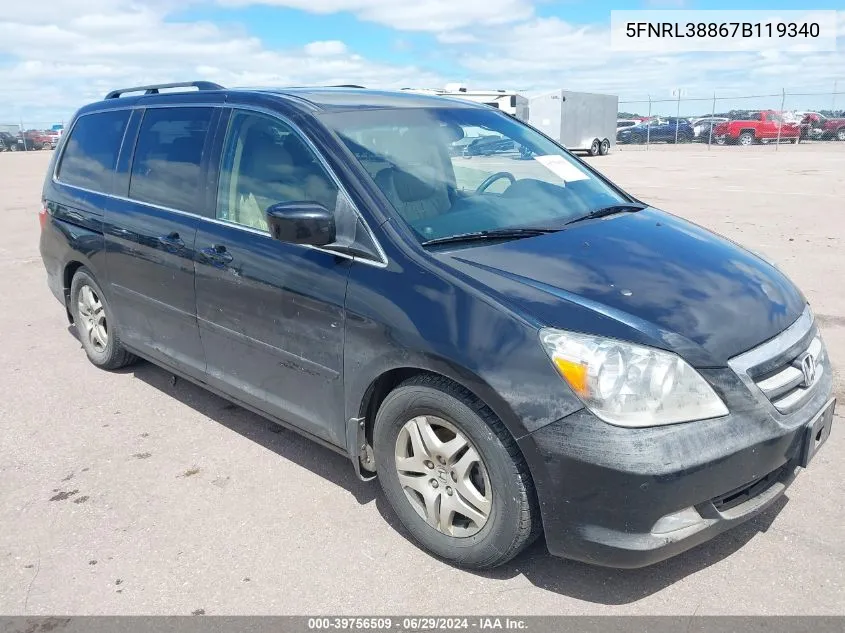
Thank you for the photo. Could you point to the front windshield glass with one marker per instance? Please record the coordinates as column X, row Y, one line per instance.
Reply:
column 453, row 171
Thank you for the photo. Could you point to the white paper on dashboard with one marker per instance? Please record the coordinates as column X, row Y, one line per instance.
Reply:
column 562, row 168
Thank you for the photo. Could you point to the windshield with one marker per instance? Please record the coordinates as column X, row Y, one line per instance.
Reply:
column 453, row 171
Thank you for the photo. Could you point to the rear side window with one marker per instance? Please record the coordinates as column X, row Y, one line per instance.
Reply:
column 90, row 154
column 168, row 155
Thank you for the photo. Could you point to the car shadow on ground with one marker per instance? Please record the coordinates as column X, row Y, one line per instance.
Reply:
column 577, row 580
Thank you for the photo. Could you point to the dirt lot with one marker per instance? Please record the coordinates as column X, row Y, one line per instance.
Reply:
column 123, row 493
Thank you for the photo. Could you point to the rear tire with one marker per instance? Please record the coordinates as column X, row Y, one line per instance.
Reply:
column 464, row 459
column 595, row 148
column 840, row 134
column 604, row 148
column 746, row 139
column 95, row 323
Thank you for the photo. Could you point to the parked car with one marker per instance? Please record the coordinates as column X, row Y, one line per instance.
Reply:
column 54, row 137
column 760, row 127
column 701, row 127
column 8, row 142
column 557, row 357
column 817, row 126
column 657, row 130
column 34, row 140
column 489, row 145
column 621, row 124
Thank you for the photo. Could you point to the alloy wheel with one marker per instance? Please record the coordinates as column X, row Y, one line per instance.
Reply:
column 93, row 318
column 443, row 476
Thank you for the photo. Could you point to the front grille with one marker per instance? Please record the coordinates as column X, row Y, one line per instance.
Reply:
column 786, row 386
column 739, row 496
column 787, row 368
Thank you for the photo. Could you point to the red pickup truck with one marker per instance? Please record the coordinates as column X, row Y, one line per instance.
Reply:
column 34, row 139
column 759, row 127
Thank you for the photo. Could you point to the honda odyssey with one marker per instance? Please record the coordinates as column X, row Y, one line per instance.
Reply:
column 512, row 345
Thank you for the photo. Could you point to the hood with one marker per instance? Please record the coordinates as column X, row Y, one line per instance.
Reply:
column 646, row 277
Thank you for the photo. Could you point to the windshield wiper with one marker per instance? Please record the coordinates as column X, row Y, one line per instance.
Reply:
column 628, row 207
column 492, row 234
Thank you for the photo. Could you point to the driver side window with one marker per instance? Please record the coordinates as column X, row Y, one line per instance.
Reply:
column 265, row 162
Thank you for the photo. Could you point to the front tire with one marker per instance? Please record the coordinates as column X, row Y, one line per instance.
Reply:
column 595, row 148
column 604, row 149
column 95, row 323
column 746, row 139
column 453, row 474
column 840, row 134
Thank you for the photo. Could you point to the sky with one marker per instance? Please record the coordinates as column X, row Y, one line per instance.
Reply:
column 57, row 55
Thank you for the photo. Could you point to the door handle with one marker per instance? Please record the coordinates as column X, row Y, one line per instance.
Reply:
column 217, row 254
column 171, row 239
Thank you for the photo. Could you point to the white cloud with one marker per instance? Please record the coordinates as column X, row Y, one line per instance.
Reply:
column 413, row 15
column 456, row 37
column 60, row 63
column 325, row 49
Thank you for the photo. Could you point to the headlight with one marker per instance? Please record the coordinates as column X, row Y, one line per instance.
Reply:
column 631, row 385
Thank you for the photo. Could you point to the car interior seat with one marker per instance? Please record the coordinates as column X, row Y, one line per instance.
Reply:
column 418, row 181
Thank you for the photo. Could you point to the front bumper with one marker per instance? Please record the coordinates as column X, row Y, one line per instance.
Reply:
column 605, row 492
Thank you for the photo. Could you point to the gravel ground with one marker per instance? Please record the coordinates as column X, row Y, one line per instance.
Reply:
column 123, row 493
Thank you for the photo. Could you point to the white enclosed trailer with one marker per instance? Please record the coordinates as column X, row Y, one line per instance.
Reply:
column 579, row 121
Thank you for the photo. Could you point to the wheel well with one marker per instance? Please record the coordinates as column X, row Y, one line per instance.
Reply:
column 387, row 382
column 749, row 130
column 377, row 392
column 70, row 271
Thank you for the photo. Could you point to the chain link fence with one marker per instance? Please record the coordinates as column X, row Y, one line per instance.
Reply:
column 774, row 118
column 30, row 136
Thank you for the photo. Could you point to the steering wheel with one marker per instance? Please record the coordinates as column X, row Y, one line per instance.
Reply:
column 493, row 178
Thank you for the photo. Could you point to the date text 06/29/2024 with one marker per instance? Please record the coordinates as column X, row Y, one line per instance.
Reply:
column 421, row 623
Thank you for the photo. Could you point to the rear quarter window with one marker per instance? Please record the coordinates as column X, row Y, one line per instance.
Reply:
column 91, row 151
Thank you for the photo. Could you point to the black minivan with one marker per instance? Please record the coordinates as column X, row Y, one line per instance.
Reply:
column 511, row 343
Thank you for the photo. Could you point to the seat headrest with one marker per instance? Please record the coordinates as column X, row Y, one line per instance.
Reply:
column 263, row 155
column 407, row 187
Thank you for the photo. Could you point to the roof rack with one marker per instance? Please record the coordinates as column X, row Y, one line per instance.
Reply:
column 154, row 88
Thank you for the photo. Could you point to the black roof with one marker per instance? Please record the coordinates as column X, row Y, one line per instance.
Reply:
column 311, row 99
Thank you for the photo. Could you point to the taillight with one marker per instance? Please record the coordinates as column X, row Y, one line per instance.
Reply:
column 43, row 215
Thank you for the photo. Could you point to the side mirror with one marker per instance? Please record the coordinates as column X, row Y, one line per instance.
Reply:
column 301, row 223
